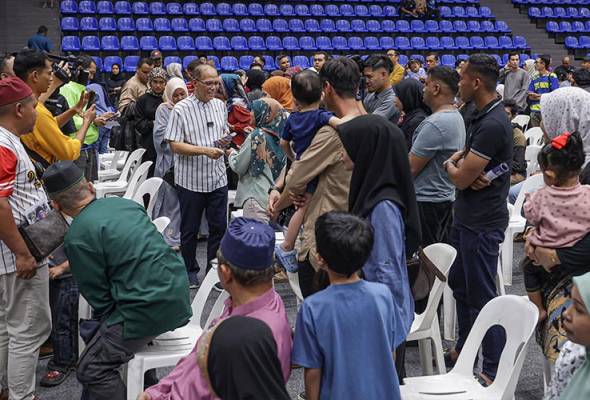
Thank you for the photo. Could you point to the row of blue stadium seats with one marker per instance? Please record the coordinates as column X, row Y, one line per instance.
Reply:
column 543, row 2
column 127, row 24
column 582, row 42
column 467, row 12
column 289, row 43
column 558, row 13
column 567, row 27
column 231, row 63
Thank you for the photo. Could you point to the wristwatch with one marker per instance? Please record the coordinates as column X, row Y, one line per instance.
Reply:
column 275, row 188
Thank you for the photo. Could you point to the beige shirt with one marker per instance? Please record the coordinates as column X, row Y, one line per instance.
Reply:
column 322, row 159
column 131, row 91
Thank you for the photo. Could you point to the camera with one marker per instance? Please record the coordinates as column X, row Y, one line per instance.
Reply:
column 77, row 71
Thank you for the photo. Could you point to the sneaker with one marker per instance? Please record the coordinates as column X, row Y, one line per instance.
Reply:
column 193, row 280
column 302, row 396
column 288, row 259
column 218, row 287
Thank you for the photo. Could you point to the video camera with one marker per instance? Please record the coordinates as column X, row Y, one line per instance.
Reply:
column 77, row 73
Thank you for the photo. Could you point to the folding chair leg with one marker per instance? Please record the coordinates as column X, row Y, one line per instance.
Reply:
column 134, row 379
column 506, row 253
column 437, row 347
column 425, row 348
column 449, row 314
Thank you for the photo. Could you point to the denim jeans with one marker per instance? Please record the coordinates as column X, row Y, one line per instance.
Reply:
column 63, row 297
column 104, row 136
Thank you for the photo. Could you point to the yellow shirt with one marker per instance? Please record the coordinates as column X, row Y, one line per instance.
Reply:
column 47, row 139
column 396, row 75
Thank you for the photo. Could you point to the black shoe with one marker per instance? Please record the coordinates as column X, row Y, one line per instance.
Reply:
column 449, row 362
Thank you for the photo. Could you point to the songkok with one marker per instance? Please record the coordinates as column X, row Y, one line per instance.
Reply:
column 248, row 244
column 61, row 176
column 12, row 89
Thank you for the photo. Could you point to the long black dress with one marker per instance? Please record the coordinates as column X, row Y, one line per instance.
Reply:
column 145, row 114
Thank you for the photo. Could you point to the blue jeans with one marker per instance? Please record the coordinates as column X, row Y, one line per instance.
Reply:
column 63, row 295
column 514, row 191
column 104, row 136
column 473, row 280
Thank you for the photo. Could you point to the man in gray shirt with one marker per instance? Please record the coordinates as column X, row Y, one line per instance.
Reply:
column 516, row 81
column 436, row 139
column 380, row 99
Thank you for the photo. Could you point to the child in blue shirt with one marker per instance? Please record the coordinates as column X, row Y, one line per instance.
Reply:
column 299, row 131
column 344, row 336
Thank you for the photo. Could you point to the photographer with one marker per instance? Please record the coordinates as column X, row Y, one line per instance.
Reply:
column 47, row 143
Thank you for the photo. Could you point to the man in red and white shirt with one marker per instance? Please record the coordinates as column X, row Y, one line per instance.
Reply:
column 25, row 318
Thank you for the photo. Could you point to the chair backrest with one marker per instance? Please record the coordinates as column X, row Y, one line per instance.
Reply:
column 200, row 299
column 442, row 255
column 530, row 156
column 522, row 120
column 534, row 135
column 161, row 223
column 149, row 187
column 531, row 184
column 139, row 176
column 131, row 163
column 519, row 324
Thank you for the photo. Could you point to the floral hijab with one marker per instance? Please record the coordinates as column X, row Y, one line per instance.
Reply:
column 155, row 74
column 270, row 119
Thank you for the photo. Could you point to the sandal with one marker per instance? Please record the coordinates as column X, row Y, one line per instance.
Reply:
column 54, row 378
column 450, row 360
column 483, row 379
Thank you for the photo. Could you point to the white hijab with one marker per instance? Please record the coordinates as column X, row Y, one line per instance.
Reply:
column 174, row 69
column 171, row 86
column 567, row 109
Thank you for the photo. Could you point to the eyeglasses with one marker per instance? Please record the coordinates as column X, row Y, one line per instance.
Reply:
column 208, row 84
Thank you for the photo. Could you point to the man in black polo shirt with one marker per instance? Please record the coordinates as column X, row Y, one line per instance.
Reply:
column 480, row 212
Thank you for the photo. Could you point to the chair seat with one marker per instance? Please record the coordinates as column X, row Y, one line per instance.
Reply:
column 180, row 337
column 452, row 386
column 108, row 174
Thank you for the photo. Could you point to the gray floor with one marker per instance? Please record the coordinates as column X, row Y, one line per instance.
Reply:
column 530, row 386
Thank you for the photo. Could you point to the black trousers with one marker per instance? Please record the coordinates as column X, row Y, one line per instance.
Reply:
column 435, row 221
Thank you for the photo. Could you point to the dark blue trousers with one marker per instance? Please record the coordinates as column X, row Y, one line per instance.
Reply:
column 63, row 297
column 192, row 206
column 473, row 280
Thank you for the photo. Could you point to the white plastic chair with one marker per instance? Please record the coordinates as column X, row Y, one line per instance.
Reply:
column 161, row 223
column 123, row 185
column 113, row 159
column 522, row 120
column 113, row 173
column 517, row 224
column 168, row 348
column 150, row 187
column 519, row 323
column 425, row 327
column 534, row 136
column 530, row 156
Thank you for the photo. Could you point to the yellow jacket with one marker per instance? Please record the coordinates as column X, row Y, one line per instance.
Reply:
column 396, row 75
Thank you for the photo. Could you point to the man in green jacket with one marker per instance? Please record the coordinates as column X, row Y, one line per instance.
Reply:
column 136, row 285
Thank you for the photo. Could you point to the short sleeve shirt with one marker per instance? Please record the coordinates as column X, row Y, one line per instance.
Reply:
column 200, row 124
column 541, row 85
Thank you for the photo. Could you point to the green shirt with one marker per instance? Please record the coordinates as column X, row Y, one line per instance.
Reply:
column 124, row 268
column 72, row 91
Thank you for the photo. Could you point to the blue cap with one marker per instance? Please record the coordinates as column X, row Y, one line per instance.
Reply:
column 248, row 244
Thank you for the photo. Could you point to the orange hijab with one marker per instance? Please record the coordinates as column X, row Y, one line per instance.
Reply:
column 279, row 88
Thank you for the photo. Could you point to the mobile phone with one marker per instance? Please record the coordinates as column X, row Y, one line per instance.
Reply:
column 227, row 137
column 91, row 98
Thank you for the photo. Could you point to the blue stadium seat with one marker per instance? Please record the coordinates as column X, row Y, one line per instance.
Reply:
column 140, row 8
column 587, row 26
column 446, row 26
column 498, row 59
column 196, row 25
column 171, row 59
column 342, row 25
column 245, row 62
column 477, row 42
column 553, row 27
column 418, row 57
column 564, row 26
column 460, row 26
column 448, row 60
column 98, row 62
column 375, row 11
column 356, row 43
column 418, row 43
column 559, row 12
column 373, row 26
column 346, row 10
column 572, row 12
column 487, row 26
column 264, row 25
column 388, row 26
column 534, row 13
column 323, row 43
column 445, row 12
column 126, row 24
column 492, row 43
column 327, row 25
column 340, row 43
column 317, row 10
column 358, row 25
column 105, row 24
column 108, row 62
column 463, row 57
column 162, row 25
column 110, row 43
column 129, row 43
column 224, row 9
column 148, row 43
column 89, row 43
column 584, row 42
column 214, row 25
column 72, row 43
column 179, row 25
column 462, row 43
column 68, row 7
column 247, row 25
column 222, row 43
column 431, row 26
column 502, row 26
column 174, row 9
column 473, row 26
column 287, row 10
column 239, row 9
column 70, row 24
column 312, row 25
column 86, row 7
column 157, row 8
column 269, row 63
column 505, row 42
column 187, row 60
column 307, row 43
column 417, row 26
column 207, row 9
column 402, row 43
column 185, row 43
column 144, row 25
column 578, row 26
column 231, row 25
column 360, row 11
column 433, row 43
column 485, row 12
column 296, row 25
column 280, row 25
column 301, row 61
column 291, row 43
column 273, row 43
column 547, row 12
column 332, row 10
column 104, row 7
column 459, row 12
column 271, row 10
column 519, row 42
column 229, row 63
column 472, row 12
column 571, row 42
column 203, row 43
column 447, row 43
column 302, row 10
column 215, row 60
column 130, row 63
column 167, row 43
column 122, row 8
column 88, row 24
column 386, row 42
column 190, row 9
column 403, row 60
column 372, row 43
column 390, row 11
column 403, row 26
column 256, row 43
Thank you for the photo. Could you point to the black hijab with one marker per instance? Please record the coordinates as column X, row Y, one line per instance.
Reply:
column 381, row 171
column 256, row 78
column 243, row 363
column 410, row 94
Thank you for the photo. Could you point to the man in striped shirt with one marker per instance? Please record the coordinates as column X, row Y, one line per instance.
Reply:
column 25, row 319
column 196, row 124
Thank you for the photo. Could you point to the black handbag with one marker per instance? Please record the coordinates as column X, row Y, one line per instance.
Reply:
column 421, row 274
column 45, row 235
